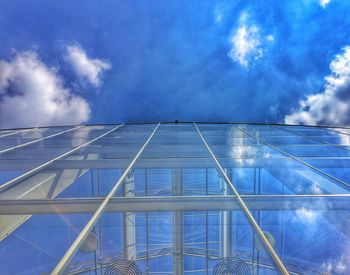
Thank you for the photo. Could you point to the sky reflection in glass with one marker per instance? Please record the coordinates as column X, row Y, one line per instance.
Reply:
column 175, row 212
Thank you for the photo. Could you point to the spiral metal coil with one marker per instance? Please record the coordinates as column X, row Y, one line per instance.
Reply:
column 123, row 267
column 232, row 265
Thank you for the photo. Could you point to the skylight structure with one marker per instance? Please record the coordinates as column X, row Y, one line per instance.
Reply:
column 175, row 198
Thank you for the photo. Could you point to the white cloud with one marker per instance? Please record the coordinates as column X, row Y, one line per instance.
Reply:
column 270, row 38
column 332, row 106
column 247, row 43
column 306, row 215
column 218, row 14
column 335, row 266
column 32, row 94
column 324, row 3
column 218, row 17
column 88, row 68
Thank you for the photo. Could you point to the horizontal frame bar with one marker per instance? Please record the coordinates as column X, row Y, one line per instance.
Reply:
column 276, row 260
column 17, row 132
column 175, row 203
column 50, row 162
column 67, row 257
column 298, row 159
column 37, row 140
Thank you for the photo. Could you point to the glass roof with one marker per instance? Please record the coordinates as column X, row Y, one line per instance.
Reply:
column 175, row 198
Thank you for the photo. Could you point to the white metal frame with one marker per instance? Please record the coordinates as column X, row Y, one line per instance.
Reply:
column 85, row 231
column 38, row 140
column 48, row 163
column 276, row 260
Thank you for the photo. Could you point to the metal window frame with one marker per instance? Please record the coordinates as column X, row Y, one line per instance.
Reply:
column 107, row 203
column 276, row 260
column 37, row 140
column 295, row 158
column 17, row 132
column 314, row 139
column 48, row 163
column 65, row 260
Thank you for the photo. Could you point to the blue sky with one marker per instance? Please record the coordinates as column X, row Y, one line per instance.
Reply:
column 70, row 62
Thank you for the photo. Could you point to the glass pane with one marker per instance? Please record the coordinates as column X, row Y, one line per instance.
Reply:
column 163, row 242
column 38, row 242
column 263, row 169
column 174, row 212
column 310, row 238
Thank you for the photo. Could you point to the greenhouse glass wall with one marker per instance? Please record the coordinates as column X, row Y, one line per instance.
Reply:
column 175, row 198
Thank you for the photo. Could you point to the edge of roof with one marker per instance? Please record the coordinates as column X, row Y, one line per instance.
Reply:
column 178, row 122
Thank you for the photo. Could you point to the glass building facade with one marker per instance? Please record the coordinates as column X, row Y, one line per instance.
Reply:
column 175, row 198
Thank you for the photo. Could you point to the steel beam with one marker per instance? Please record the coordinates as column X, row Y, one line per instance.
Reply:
column 129, row 229
column 175, row 203
column 17, row 132
column 276, row 260
column 144, row 163
column 37, row 140
column 296, row 159
column 178, row 225
column 65, row 260
column 226, row 222
column 39, row 168
column 313, row 138
column 38, row 184
column 41, row 186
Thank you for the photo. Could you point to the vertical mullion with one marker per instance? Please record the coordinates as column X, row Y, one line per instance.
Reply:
column 178, row 224
column 258, row 213
column 65, row 260
column 280, row 266
column 147, row 227
column 94, row 229
column 253, row 252
column 206, row 227
column 100, row 225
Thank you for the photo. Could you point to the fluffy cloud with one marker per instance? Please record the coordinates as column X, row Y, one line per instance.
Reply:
column 247, row 43
column 335, row 266
column 332, row 106
column 324, row 3
column 88, row 68
column 218, row 14
column 32, row 94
